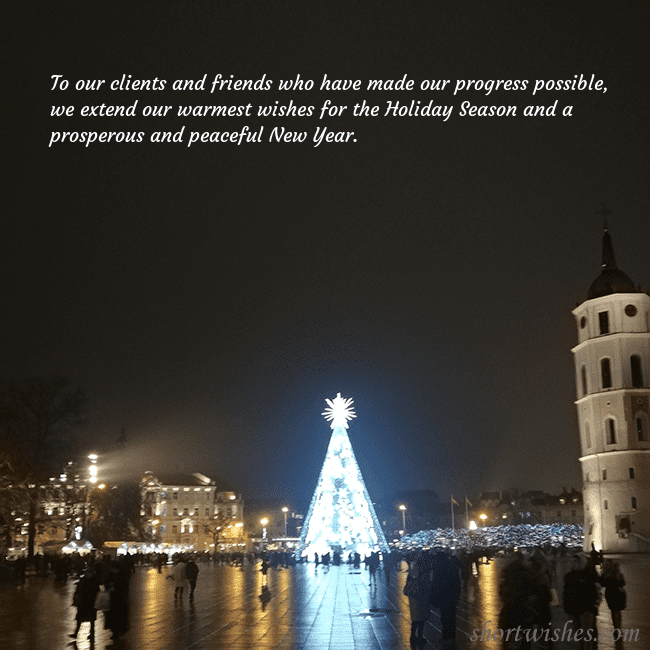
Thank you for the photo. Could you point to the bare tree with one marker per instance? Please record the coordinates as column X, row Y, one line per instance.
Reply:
column 217, row 528
column 36, row 419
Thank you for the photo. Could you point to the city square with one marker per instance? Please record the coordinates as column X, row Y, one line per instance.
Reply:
column 310, row 608
column 326, row 327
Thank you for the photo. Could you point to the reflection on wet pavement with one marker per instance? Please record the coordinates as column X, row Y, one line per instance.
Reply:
column 304, row 607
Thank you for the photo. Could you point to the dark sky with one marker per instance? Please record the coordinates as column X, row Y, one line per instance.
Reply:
column 210, row 298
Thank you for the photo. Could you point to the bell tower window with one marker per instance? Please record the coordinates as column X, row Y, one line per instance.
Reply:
column 606, row 373
column 603, row 322
column 583, row 379
column 611, row 431
column 635, row 368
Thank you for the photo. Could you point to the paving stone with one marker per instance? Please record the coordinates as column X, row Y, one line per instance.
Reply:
column 309, row 609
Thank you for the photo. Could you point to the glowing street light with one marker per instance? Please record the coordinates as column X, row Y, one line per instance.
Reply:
column 403, row 509
column 285, row 510
column 264, row 522
column 483, row 517
column 93, row 467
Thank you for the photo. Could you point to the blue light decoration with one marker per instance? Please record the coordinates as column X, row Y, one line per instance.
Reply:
column 341, row 517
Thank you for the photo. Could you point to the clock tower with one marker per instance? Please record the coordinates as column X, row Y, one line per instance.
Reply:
column 612, row 363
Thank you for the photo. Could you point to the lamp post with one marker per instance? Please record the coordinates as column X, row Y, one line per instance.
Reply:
column 92, row 471
column 285, row 510
column 403, row 509
column 264, row 522
column 483, row 517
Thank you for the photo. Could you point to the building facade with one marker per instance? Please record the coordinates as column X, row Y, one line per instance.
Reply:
column 612, row 365
column 192, row 512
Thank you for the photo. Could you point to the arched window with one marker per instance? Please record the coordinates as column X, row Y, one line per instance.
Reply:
column 610, row 427
column 587, row 436
column 637, row 373
column 606, row 373
column 583, row 379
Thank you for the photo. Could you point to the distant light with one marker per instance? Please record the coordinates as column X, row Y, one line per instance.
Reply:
column 264, row 521
column 472, row 525
column 92, row 456
column 101, row 486
column 285, row 509
column 483, row 516
column 402, row 507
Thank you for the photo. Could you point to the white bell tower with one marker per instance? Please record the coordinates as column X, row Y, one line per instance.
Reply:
column 612, row 362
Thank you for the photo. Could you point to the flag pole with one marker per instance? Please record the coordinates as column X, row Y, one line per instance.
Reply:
column 452, row 512
column 466, row 512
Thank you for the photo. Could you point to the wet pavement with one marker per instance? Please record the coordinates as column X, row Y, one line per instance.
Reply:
column 310, row 608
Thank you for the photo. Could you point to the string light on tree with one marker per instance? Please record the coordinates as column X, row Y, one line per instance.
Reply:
column 341, row 517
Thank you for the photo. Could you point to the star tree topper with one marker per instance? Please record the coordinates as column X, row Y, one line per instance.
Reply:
column 339, row 411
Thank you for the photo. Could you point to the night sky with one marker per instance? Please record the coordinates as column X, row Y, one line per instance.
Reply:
column 209, row 299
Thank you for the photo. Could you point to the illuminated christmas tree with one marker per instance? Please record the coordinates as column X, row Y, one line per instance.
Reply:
column 341, row 517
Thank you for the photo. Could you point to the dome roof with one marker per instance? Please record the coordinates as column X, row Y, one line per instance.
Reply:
column 611, row 279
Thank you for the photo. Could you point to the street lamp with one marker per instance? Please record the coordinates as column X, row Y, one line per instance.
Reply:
column 403, row 509
column 93, row 467
column 285, row 510
column 483, row 517
column 264, row 522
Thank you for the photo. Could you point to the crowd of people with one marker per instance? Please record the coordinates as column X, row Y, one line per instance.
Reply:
column 434, row 581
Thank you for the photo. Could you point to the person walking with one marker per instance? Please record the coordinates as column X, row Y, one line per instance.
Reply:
column 613, row 582
column 192, row 572
column 417, row 588
column 580, row 600
column 118, row 581
column 180, row 576
column 444, row 594
column 84, row 601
